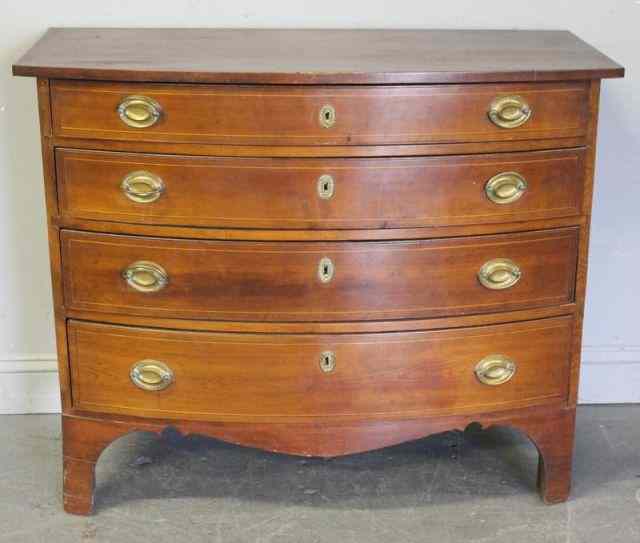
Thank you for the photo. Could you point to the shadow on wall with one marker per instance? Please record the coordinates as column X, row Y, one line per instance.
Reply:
column 26, row 323
column 615, row 252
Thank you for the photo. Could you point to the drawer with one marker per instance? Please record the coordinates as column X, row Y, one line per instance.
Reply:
column 294, row 115
column 317, row 281
column 319, row 193
column 175, row 374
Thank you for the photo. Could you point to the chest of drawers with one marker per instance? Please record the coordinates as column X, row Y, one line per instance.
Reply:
column 317, row 242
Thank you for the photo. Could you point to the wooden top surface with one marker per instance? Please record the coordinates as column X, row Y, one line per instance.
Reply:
column 313, row 56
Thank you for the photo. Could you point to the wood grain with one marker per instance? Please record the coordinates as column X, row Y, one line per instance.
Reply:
column 377, row 376
column 551, row 428
column 53, row 235
column 285, row 115
column 283, row 193
column 350, row 327
column 408, row 229
column 321, row 56
column 319, row 151
column 279, row 281
column 583, row 249
column 336, row 234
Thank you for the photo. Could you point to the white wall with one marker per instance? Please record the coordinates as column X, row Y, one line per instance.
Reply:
column 611, row 371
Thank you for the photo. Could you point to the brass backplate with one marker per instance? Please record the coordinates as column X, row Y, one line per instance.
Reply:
column 495, row 369
column 139, row 111
column 151, row 375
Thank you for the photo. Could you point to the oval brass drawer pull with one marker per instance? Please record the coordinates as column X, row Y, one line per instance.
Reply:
column 326, row 186
column 509, row 111
column 146, row 276
column 327, row 116
column 495, row 369
column 326, row 269
column 499, row 273
column 142, row 187
column 328, row 361
column 151, row 375
column 506, row 187
column 139, row 111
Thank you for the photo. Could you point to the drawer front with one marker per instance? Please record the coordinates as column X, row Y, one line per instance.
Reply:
column 319, row 193
column 161, row 373
column 280, row 115
column 317, row 281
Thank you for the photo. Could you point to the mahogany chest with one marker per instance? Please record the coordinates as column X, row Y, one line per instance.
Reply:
column 317, row 242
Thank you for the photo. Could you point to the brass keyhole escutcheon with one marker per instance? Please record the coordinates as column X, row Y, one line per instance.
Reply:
column 326, row 270
column 328, row 361
column 326, row 186
column 327, row 116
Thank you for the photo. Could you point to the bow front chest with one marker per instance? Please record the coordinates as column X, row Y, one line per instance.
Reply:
column 317, row 242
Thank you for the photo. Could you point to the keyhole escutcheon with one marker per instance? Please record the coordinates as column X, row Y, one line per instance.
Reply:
column 327, row 116
column 326, row 269
column 326, row 186
column 328, row 361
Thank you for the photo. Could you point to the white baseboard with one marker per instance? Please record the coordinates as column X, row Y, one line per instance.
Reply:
column 610, row 374
column 29, row 384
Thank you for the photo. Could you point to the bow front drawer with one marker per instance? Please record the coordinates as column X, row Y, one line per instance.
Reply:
column 317, row 281
column 163, row 373
column 291, row 115
column 320, row 193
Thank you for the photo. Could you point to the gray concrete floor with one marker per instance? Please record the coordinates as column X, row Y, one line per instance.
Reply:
column 453, row 487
